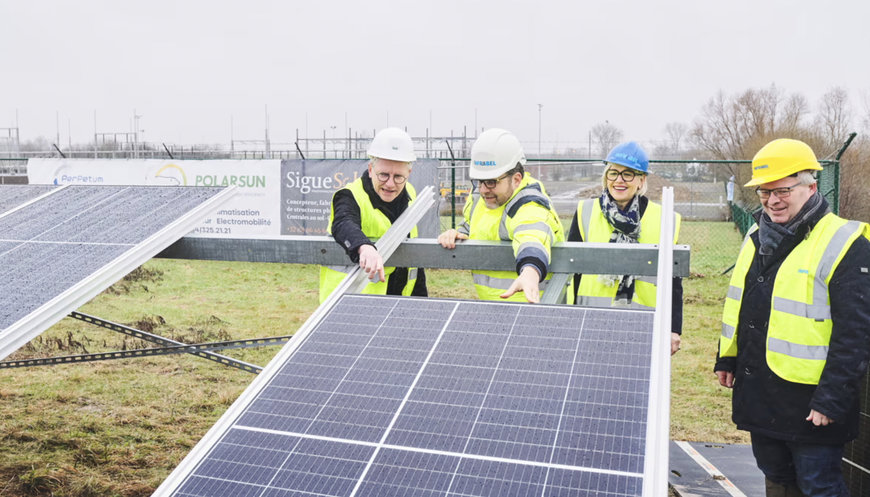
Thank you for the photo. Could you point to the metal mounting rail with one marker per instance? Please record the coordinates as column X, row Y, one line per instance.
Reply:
column 150, row 337
column 151, row 352
column 556, row 290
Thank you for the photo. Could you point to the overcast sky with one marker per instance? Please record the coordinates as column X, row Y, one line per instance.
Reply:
column 187, row 66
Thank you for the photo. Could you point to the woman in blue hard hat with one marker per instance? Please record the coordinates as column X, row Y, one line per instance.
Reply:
column 623, row 214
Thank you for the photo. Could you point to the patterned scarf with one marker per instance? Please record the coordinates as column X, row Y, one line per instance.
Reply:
column 771, row 234
column 626, row 229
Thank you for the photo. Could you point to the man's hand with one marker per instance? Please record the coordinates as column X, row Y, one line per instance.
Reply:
column 818, row 418
column 371, row 262
column 449, row 237
column 527, row 281
column 675, row 343
column 726, row 378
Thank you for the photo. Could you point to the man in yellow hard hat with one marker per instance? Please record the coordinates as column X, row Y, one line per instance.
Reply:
column 796, row 327
column 366, row 208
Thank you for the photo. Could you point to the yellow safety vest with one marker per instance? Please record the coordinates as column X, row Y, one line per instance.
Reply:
column 799, row 328
column 374, row 224
column 527, row 219
column 595, row 228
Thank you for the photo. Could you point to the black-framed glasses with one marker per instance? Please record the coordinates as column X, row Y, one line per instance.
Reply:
column 627, row 175
column 783, row 192
column 397, row 178
column 488, row 183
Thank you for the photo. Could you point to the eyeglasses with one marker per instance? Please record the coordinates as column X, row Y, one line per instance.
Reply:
column 488, row 183
column 627, row 175
column 783, row 192
column 397, row 178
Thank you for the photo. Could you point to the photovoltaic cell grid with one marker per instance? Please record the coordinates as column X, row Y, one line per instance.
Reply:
column 12, row 196
column 402, row 396
column 52, row 244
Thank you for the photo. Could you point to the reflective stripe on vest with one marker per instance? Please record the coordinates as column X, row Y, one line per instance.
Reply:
column 595, row 228
column 374, row 224
column 492, row 224
column 811, row 352
column 499, row 283
column 799, row 329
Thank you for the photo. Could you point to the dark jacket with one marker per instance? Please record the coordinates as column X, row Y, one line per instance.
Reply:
column 347, row 231
column 765, row 403
column 677, row 285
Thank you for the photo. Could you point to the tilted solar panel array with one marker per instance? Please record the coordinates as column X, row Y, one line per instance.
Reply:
column 17, row 195
column 402, row 396
column 52, row 244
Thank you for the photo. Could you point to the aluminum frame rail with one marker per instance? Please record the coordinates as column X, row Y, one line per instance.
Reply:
column 33, row 200
column 567, row 257
column 149, row 352
column 655, row 468
column 391, row 240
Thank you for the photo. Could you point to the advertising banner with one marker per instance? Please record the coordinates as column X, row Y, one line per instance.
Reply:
column 254, row 210
column 289, row 197
column 308, row 185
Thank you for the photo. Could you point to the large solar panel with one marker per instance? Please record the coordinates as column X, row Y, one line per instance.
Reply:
column 58, row 250
column 12, row 196
column 402, row 396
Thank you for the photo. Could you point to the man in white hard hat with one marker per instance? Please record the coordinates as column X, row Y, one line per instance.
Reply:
column 366, row 208
column 508, row 204
column 795, row 336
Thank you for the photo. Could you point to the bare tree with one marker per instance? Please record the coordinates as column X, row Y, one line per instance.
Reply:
column 676, row 131
column 606, row 136
column 834, row 119
column 793, row 111
column 865, row 118
column 734, row 127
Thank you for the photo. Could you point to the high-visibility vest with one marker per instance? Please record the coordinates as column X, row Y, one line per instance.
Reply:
column 374, row 224
column 527, row 219
column 799, row 328
column 595, row 228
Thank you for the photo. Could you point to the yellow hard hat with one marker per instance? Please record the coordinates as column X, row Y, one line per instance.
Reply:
column 781, row 158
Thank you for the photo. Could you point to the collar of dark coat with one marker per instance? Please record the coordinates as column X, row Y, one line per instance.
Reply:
column 392, row 209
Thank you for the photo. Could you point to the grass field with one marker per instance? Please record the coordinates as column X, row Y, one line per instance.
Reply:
column 119, row 427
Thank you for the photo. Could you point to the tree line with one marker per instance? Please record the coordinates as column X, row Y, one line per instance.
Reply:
column 735, row 126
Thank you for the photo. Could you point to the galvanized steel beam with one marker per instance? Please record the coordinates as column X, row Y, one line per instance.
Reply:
column 567, row 257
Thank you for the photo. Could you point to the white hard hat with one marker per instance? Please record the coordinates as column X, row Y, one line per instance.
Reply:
column 495, row 152
column 392, row 144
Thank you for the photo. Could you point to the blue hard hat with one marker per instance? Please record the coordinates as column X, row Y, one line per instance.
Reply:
column 631, row 155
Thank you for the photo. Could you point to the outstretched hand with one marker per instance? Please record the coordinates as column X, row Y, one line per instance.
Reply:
column 527, row 281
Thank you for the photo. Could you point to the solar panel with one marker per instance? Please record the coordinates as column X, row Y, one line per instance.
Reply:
column 17, row 195
column 61, row 249
column 403, row 396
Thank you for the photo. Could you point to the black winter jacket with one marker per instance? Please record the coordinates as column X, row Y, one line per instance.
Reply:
column 765, row 403
column 347, row 231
